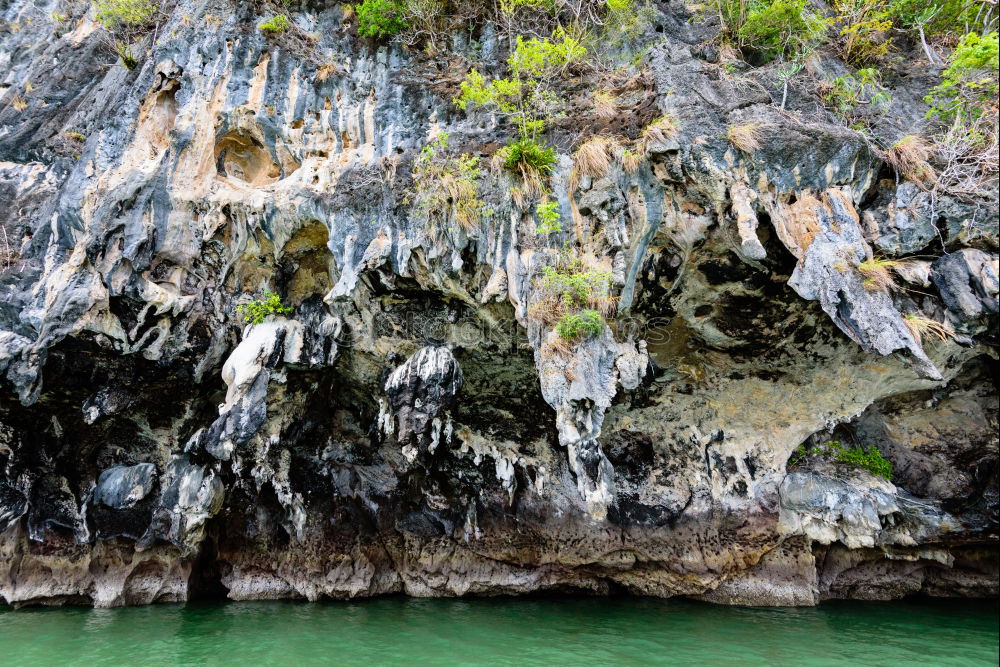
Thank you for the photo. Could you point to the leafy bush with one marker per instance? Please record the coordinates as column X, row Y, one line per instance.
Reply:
column 576, row 299
column 124, row 22
column 548, row 217
column 970, row 82
column 540, row 58
column 258, row 309
column 381, row 18
column 115, row 14
column 870, row 459
column 275, row 25
column 940, row 17
column 864, row 87
column 965, row 104
column 574, row 326
column 574, row 285
column 781, row 29
column 527, row 96
column 865, row 26
column 447, row 185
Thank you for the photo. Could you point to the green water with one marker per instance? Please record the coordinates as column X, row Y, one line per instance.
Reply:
column 590, row 632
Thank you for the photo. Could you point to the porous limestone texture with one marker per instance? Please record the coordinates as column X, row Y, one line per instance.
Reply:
column 412, row 425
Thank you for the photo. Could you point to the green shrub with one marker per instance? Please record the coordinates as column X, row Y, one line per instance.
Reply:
column 125, row 21
column 969, row 85
column 548, row 217
column 940, row 17
column 781, row 29
column 845, row 93
column 523, row 155
column 541, row 58
column 528, row 95
column 574, row 326
column 381, row 18
column 258, row 309
column 576, row 286
column 864, row 27
column 870, row 459
column 115, row 14
column 275, row 25
column 575, row 299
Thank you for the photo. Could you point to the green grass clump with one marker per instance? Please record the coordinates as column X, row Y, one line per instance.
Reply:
column 381, row 18
column 870, row 458
column 523, row 155
column 574, row 326
column 258, row 309
column 275, row 25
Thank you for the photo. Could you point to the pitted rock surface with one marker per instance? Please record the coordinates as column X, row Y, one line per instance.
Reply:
column 414, row 423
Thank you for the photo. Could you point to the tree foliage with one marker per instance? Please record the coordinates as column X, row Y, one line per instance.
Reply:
column 257, row 310
column 381, row 18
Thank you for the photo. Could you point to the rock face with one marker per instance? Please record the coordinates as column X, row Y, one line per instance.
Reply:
column 414, row 424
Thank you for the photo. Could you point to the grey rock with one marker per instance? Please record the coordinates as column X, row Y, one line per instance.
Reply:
column 968, row 283
column 907, row 226
column 419, row 390
column 124, row 486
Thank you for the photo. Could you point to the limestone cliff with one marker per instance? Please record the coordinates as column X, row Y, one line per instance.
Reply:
column 417, row 423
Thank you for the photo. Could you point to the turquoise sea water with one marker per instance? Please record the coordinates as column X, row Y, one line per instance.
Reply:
column 589, row 632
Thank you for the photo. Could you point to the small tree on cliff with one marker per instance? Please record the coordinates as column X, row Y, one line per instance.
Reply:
column 125, row 21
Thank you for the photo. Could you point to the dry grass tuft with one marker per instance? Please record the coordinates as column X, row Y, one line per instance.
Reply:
column 919, row 326
column 19, row 103
column 606, row 306
column 7, row 254
column 557, row 347
column 660, row 131
column 631, row 161
column 877, row 274
column 532, row 181
column 326, row 71
column 745, row 137
column 445, row 185
column 909, row 158
column 596, row 156
column 517, row 196
column 604, row 104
